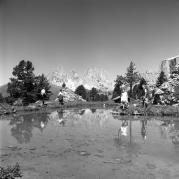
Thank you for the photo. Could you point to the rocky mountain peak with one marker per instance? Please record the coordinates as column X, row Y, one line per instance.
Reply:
column 93, row 77
column 168, row 65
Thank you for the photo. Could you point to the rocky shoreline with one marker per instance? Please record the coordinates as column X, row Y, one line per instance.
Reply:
column 151, row 110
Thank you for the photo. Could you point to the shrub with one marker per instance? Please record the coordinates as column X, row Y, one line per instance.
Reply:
column 10, row 172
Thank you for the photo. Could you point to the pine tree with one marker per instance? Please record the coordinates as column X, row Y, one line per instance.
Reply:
column 25, row 84
column 138, row 90
column 22, row 85
column 120, row 80
column 161, row 79
column 63, row 85
column 93, row 94
column 1, row 98
column 131, row 76
column 80, row 90
column 142, row 82
column 41, row 82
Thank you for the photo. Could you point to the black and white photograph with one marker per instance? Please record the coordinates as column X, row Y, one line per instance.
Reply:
column 89, row 89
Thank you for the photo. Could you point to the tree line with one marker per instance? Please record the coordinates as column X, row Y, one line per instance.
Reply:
column 25, row 85
column 132, row 77
column 91, row 95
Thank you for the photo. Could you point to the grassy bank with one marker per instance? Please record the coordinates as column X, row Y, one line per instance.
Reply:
column 163, row 111
column 156, row 110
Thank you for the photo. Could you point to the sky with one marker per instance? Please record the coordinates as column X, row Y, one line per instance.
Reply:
column 78, row 34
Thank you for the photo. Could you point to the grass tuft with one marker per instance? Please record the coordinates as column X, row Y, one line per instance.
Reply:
column 10, row 172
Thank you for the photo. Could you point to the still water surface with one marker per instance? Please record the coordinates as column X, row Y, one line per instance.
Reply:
column 91, row 133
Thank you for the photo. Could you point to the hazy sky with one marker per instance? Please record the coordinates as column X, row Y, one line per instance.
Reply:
column 78, row 34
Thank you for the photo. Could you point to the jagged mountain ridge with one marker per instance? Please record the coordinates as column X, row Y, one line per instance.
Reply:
column 93, row 77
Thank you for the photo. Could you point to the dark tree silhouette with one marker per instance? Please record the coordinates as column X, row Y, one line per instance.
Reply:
column 63, row 85
column 80, row 90
column 138, row 90
column 41, row 82
column 161, row 79
column 117, row 87
column 132, row 76
column 22, row 85
column 25, row 84
column 93, row 94
column 1, row 98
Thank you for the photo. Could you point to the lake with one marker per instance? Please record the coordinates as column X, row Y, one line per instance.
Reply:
column 90, row 144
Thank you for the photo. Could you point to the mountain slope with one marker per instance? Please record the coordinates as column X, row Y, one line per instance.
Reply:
column 93, row 77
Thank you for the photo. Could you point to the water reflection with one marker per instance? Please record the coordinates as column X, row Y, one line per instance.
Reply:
column 143, row 128
column 125, row 139
column 82, row 117
column 22, row 126
column 93, row 110
column 166, row 127
column 126, row 129
column 61, row 120
column 58, row 116
column 123, row 132
column 173, row 128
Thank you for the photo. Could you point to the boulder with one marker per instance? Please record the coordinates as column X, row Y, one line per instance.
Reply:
column 70, row 96
column 18, row 102
column 168, row 65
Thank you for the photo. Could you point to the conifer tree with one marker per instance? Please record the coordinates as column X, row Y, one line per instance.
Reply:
column 1, row 98
column 80, row 90
column 120, row 80
column 22, row 85
column 161, row 79
column 25, row 85
column 40, row 83
column 63, row 85
column 138, row 90
column 131, row 76
column 93, row 94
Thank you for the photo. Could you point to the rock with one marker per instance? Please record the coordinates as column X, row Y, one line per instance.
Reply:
column 150, row 77
column 84, row 153
column 18, row 102
column 168, row 65
column 70, row 96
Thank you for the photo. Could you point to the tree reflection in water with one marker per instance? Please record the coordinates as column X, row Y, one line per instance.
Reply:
column 61, row 117
column 166, row 128
column 169, row 129
column 93, row 110
column 58, row 116
column 22, row 126
column 122, row 136
column 82, row 112
column 174, row 132
column 124, row 139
